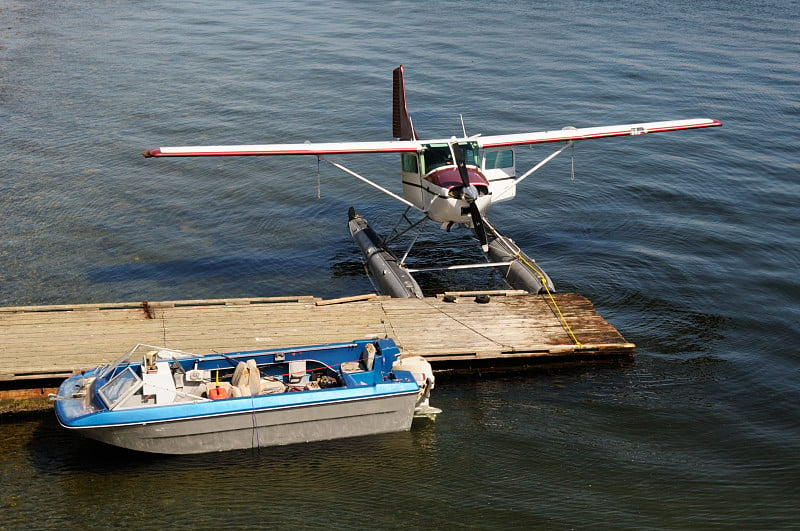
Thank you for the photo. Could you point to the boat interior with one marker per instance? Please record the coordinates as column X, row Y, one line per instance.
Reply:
column 162, row 377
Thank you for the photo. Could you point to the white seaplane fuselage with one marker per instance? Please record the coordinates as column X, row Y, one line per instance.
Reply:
column 432, row 182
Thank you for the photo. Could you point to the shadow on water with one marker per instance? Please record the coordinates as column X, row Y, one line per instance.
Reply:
column 518, row 369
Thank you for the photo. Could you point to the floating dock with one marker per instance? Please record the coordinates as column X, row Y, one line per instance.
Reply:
column 452, row 331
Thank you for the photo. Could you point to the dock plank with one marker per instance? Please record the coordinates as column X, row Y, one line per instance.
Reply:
column 59, row 340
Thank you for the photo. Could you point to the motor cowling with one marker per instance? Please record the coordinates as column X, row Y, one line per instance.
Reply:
column 423, row 375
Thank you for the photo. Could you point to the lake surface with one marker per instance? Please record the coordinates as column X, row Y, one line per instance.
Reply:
column 687, row 242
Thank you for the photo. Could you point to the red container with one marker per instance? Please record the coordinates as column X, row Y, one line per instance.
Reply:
column 216, row 393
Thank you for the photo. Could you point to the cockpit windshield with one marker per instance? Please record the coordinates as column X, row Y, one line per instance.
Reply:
column 438, row 155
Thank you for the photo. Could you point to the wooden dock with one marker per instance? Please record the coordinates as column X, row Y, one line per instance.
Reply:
column 49, row 342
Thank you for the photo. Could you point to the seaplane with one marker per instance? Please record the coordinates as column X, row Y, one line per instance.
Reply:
column 450, row 181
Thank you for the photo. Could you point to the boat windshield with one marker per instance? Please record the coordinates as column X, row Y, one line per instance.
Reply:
column 120, row 387
column 138, row 353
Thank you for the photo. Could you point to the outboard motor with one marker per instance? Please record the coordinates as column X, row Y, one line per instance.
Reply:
column 423, row 375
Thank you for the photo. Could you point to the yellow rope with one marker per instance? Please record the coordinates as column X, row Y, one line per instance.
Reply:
column 533, row 268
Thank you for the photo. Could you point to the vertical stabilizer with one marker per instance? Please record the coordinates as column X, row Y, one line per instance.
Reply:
column 402, row 128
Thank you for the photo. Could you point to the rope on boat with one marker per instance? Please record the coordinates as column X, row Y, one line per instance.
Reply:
column 533, row 268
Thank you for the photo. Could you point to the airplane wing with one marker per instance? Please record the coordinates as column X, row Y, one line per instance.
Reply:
column 401, row 146
column 308, row 148
column 586, row 133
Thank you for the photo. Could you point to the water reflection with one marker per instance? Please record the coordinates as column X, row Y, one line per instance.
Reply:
column 82, row 479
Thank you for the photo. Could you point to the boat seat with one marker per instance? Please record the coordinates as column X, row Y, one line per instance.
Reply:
column 246, row 378
column 368, row 356
column 297, row 374
column 351, row 366
column 271, row 385
column 238, row 373
column 253, row 377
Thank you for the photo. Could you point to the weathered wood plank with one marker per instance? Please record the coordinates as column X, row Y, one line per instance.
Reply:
column 57, row 340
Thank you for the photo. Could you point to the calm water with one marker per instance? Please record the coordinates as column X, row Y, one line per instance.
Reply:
column 687, row 242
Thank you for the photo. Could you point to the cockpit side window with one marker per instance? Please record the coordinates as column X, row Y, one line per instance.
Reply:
column 410, row 163
column 499, row 159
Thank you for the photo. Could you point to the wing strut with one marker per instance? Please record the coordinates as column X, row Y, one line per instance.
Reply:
column 543, row 162
column 539, row 165
column 372, row 184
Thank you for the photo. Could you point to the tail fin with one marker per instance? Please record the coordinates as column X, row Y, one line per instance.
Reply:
column 402, row 128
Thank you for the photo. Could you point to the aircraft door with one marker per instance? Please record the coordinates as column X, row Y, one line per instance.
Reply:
column 499, row 167
column 412, row 178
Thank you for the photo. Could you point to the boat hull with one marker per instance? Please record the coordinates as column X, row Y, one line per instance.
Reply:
column 257, row 428
column 166, row 401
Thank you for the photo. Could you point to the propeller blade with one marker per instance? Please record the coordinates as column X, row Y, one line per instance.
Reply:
column 458, row 158
column 478, row 226
column 469, row 191
column 470, row 195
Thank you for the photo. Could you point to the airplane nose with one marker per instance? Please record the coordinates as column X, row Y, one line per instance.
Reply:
column 470, row 193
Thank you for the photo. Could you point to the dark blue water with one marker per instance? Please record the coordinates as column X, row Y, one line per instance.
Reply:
column 687, row 242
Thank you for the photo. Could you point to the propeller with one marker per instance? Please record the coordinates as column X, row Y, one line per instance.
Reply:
column 470, row 194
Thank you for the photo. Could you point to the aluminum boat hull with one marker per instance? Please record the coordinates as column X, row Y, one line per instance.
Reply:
column 262, row 428
column 172, row 402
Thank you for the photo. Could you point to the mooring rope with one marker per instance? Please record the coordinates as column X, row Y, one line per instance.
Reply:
column 391, row 325
column 542, row 278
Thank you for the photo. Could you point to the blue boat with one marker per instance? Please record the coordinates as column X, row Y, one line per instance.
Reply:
column 166, row 401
